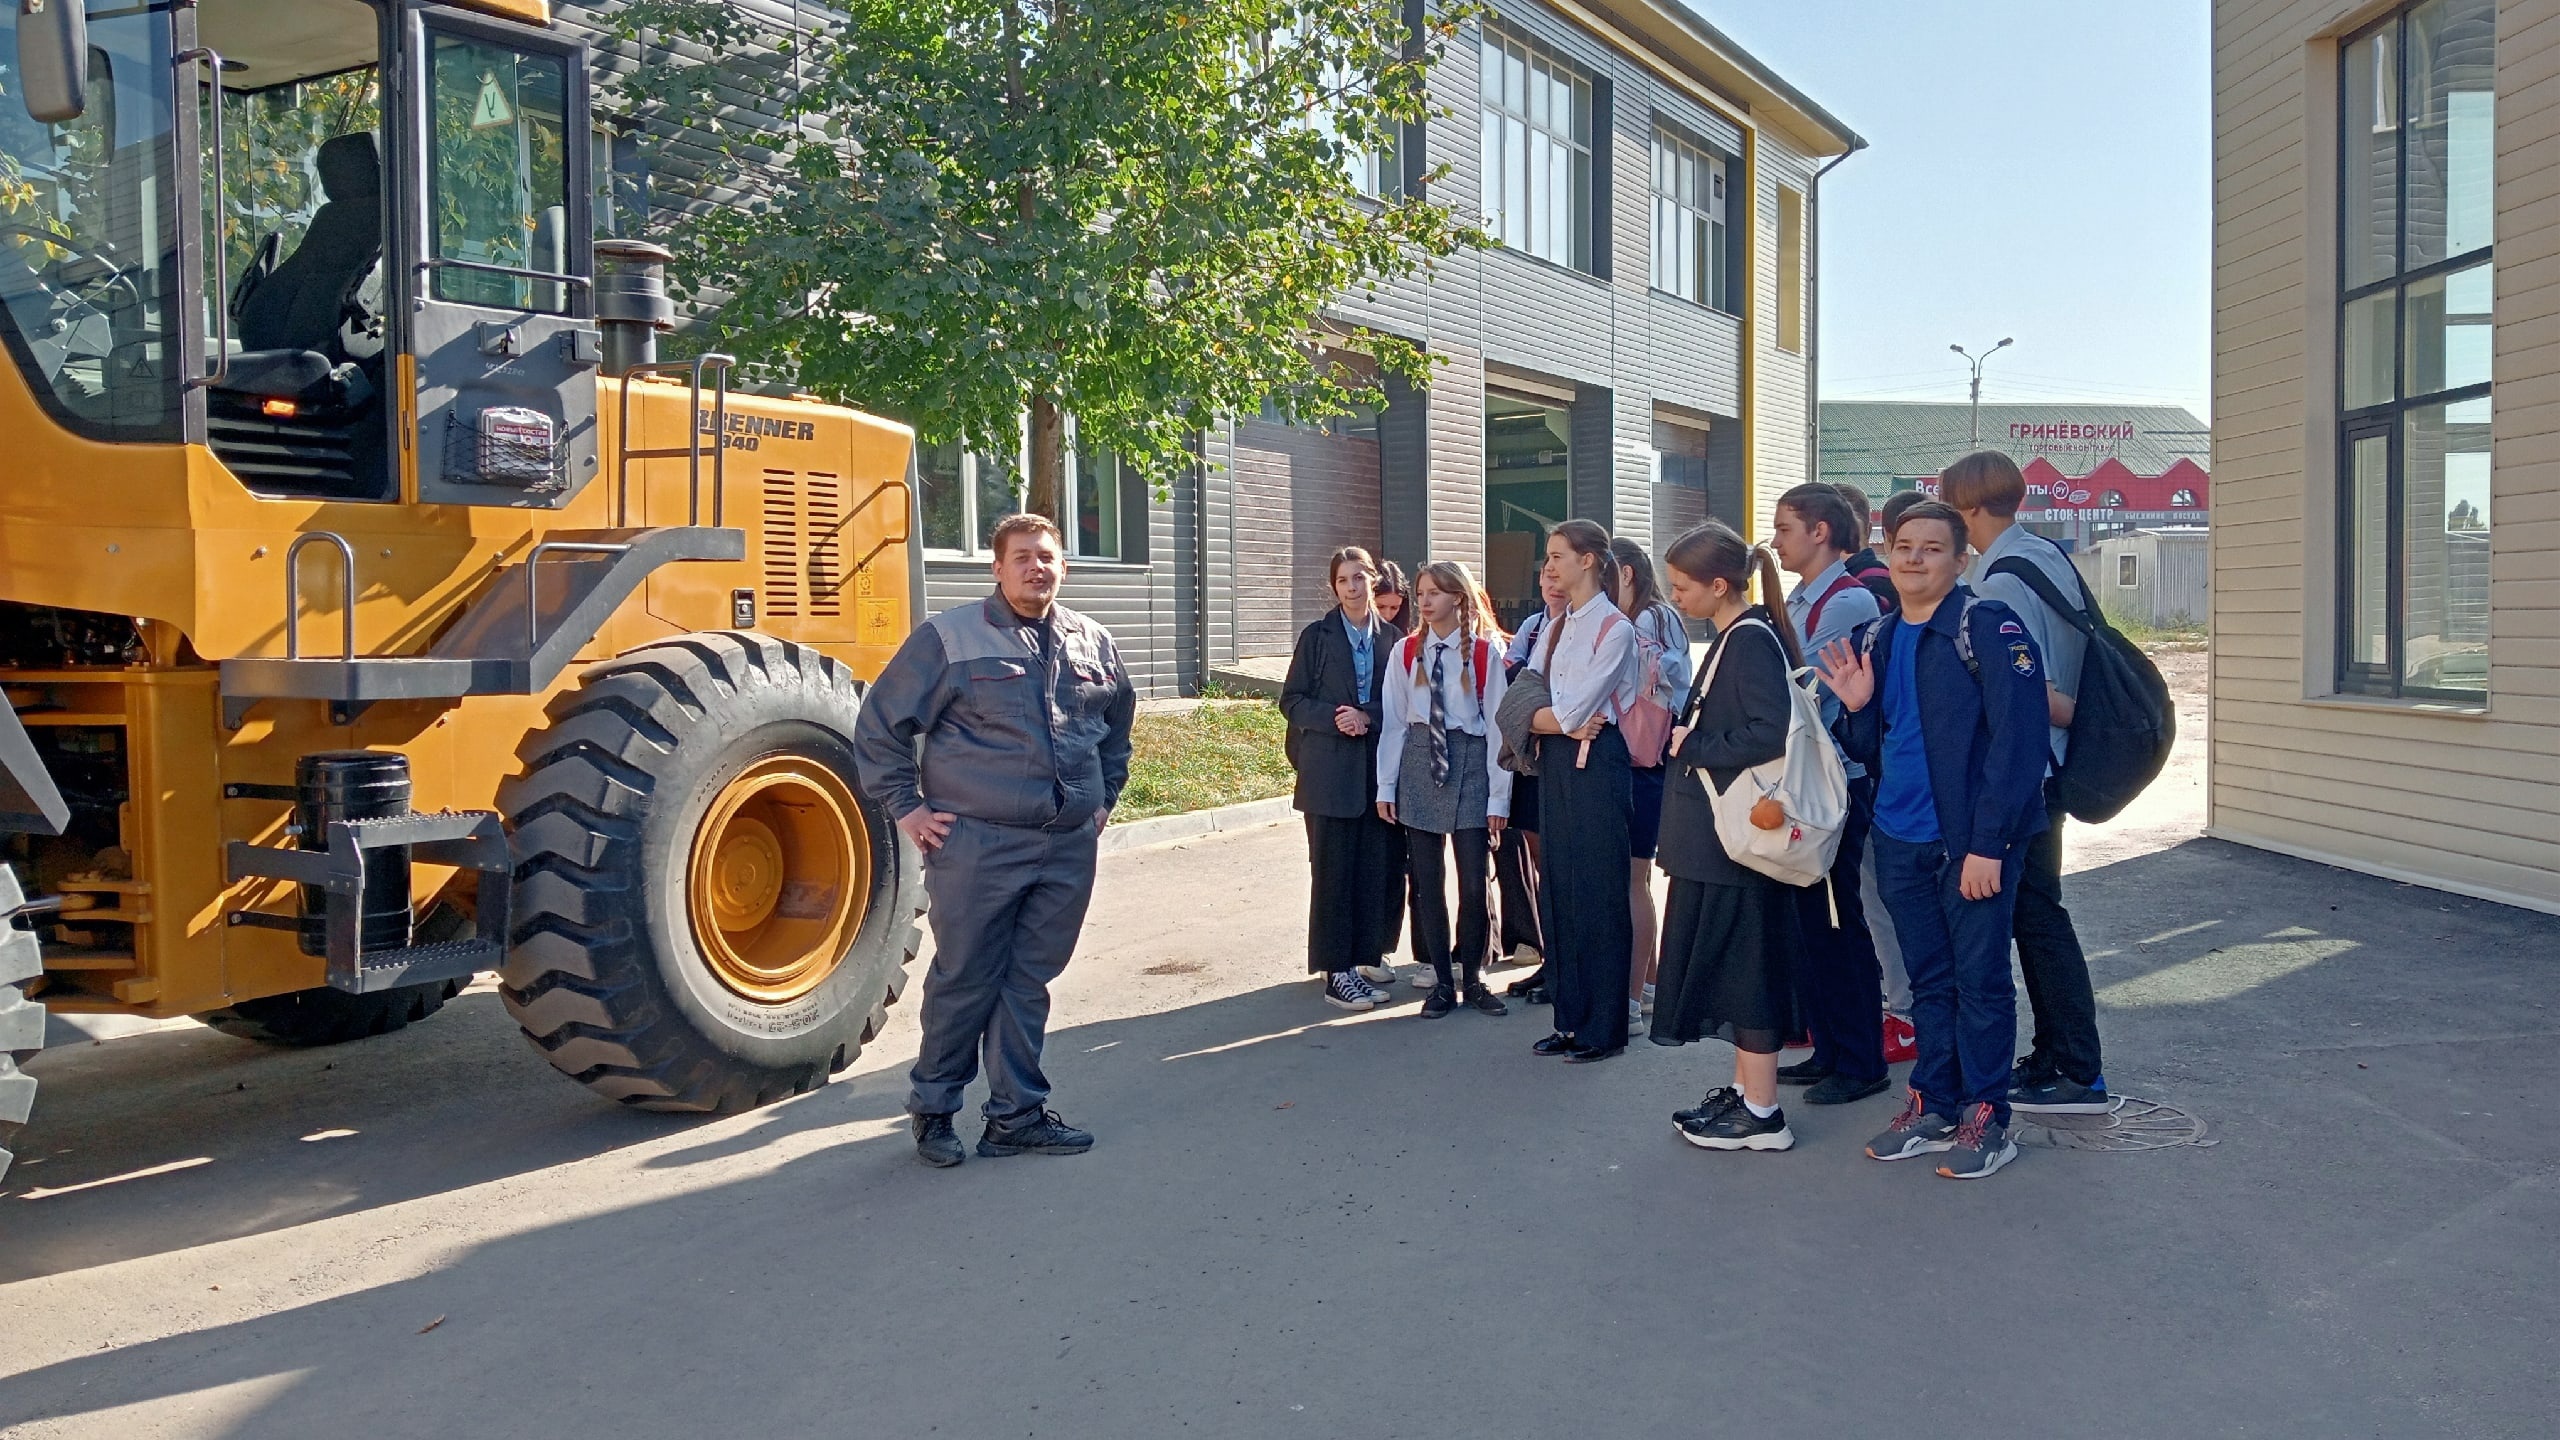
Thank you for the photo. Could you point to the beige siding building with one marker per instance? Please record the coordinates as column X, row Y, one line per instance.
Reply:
column 2386, row 451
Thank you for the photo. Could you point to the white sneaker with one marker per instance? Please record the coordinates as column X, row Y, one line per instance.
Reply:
column 1424, row 979
column 1635, row 1013
column 1648, row 999
column 1345, row 990
column 1378, row 974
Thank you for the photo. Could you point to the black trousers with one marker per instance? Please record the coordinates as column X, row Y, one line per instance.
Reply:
column 1838, row 978
column 1519, row 882
column 2049, row 956
column 1426, row 857
column 1582, row 833
column 1356, row 900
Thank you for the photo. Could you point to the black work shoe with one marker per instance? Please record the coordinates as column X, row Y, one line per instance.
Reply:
column 1592, row 1054
column 1556, row 1044
column 1531, row 987
column 1803, row 1072
column 937, row 1144
column 1439, row 1002
column 1486, row 1001
column 1840, row 1090
column 1039, row 1133
column 1717, row 1102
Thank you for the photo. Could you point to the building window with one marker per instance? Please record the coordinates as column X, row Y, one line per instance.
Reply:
column 2183, row 500
column 1536, row 145
column 1790, row 271
column 2416, row 152
column 2112, row 500
column 964, row 496
column 2128, row 572
column 1691, row 254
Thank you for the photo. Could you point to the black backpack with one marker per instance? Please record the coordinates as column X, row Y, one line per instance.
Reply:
column 2123, row 722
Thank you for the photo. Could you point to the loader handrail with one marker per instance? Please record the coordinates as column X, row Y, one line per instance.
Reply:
column 533, row 582
column 293, row 595
column 221, row 295
column 707, row 361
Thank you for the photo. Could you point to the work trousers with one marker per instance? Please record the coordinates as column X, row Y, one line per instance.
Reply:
column 1837, row 977
column 1008, row 903
column 2049, row 957
column 1962, row 1003
column 1582, row 890
column 1426, row 862
column 1355, row 899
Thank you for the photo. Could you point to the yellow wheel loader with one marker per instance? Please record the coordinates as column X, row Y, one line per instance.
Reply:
column 376, row 609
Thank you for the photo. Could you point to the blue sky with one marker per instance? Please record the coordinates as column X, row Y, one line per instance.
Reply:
column 2036, row 170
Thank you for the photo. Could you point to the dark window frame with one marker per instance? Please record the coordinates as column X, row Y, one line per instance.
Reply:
column 2389, row 418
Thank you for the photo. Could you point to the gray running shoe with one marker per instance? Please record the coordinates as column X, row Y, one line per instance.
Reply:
column 1916, row 1131
column 1982, row 1146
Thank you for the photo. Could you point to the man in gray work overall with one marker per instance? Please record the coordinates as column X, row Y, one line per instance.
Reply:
column 1024, row 710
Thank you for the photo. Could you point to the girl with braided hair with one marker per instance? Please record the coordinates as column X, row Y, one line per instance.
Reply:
column 1440, row 778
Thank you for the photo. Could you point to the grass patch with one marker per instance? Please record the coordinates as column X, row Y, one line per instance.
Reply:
column 2190, row 635
column 1212, row 755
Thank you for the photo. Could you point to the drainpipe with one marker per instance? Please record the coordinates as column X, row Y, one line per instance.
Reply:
column 1813, row 310
column 1200, row 554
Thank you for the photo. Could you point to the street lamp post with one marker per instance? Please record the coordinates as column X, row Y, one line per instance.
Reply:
column 1976, row 361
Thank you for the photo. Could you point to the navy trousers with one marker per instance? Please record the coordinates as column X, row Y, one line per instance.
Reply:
column 1008, row 904
column 1957, row 950
column 1582, row 892
column 1839, row 977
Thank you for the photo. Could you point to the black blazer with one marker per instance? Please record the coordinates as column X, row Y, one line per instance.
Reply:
column 1337, row 773
column 1742, row 722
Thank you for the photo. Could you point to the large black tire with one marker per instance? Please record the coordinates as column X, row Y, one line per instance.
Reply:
column 302, row 1019
column 21, row 1019
column 606, row 976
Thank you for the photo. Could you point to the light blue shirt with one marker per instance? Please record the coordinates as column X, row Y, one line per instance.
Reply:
column 2056, row 640
column 1854, row 606
column 1364, row 653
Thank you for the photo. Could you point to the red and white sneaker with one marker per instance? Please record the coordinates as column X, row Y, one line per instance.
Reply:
column 1901, row 1042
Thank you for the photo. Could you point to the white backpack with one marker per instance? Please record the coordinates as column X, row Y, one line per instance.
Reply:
column 1809, row 783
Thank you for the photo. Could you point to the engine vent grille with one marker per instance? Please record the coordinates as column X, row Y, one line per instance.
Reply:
column 804, row 520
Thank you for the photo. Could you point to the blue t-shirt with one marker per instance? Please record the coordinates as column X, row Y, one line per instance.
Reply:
column 1905, row 807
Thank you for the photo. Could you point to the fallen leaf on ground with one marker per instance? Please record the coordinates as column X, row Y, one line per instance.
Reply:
column 1285, row 1104
column 430, row 1325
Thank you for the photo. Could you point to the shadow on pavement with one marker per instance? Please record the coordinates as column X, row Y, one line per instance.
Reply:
column 1307, row 1226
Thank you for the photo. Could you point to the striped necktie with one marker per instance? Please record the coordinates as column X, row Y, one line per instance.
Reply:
column 1439, row 717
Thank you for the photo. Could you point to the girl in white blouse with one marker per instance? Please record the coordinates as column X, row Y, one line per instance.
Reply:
column 1440, row 777
column 1585, row 799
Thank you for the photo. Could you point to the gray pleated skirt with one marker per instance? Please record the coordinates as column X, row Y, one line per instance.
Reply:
column 1441, row 809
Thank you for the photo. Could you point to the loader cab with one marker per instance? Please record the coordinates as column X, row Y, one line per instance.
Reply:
column 343, row 244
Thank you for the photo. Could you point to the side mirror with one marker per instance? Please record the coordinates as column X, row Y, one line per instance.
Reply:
column 53, row 58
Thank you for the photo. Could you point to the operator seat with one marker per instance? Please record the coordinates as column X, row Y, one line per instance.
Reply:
column 289, row 320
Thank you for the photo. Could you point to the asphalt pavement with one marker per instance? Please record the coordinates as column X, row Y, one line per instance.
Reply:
column 1303, row 1223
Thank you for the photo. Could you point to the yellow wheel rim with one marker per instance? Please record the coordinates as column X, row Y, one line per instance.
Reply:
column 780, row 879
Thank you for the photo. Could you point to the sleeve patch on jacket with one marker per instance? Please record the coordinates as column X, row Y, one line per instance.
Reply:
column 2022, row 658
column 2012, row 627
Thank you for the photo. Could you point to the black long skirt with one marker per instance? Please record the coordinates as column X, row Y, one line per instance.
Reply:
column 1582, row 884
column 1355, row 905
column 1729, row 957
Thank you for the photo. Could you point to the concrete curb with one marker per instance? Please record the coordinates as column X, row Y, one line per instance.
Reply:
column 1165, row 829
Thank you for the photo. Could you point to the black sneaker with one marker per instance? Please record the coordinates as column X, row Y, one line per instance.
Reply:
column 1485, row 1000
column 937, row 1144
column 1803, row 1072
column 1439, row 1002
column 2031, row 1069
column 1039, row 1133
column 1982, row 1146
column 1716, row 1103
column 2062, row 1095
column 1836, row 1089
column 1736, row 1128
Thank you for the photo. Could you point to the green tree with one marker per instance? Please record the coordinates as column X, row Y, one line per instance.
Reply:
column 1133, row 211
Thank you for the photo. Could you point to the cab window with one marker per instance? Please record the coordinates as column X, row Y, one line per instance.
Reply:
column 500, row 198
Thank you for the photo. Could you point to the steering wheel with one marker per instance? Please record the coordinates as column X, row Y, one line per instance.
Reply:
column 109, row 271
